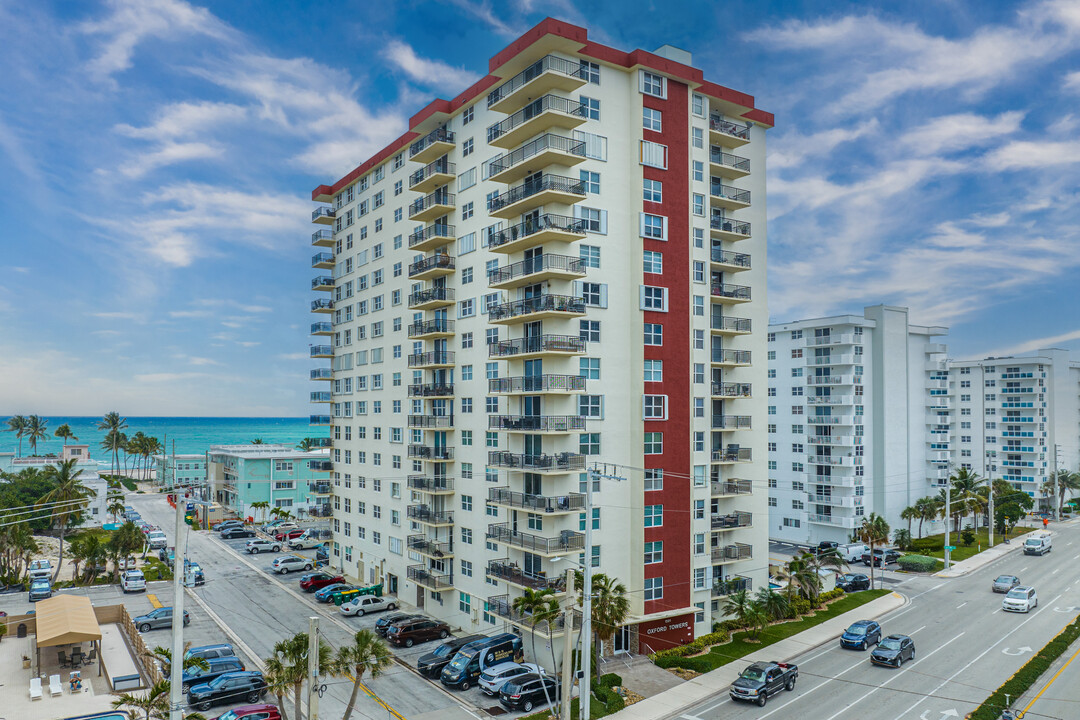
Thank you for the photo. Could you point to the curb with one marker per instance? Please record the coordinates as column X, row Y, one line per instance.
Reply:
column 968, row 570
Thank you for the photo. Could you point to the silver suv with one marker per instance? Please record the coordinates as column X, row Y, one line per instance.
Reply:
column 285, row 563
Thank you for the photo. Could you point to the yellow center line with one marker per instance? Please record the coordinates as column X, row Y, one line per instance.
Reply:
column 377, row 699
column 1052, row 680
column 153, row 600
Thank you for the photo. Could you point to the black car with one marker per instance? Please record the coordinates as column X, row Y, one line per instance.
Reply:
column 431, row 665
column 217, row 667
column 228, row 524
column 893, row 651
column 528, row 691
column 825, row 546
column 851, row 582
column 237, row 532
column 230, row 688
column 889, row 555
column 383, row 624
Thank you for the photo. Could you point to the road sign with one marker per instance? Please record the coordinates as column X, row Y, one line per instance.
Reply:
column 950, row 548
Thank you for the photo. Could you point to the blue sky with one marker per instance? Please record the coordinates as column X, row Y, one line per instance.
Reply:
column 157, row 159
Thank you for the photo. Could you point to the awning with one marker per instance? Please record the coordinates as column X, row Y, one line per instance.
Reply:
column 65, row 619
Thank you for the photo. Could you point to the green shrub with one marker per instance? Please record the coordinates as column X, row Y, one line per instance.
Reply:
column 697, row 664
column 692, row 648
column 800, row 605
column 968, row 536
column 917, row 563
column 831, row 595
column 610, row 680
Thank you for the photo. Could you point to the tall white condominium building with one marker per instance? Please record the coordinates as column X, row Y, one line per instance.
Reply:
column 1017, row 417
column 564, row 265
column 859, row 421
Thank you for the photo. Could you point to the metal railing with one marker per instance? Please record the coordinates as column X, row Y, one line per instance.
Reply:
column 727, row 290
column 322, row 374
column 442, row 166
column 426, row 327
column 734, row 551
column 317, row 350
column 731, row 586
column 440, row 134
column 431, row 231
column 321, row 327
column 536, row 383
column 724, row 224
column 431, row 422
column 719, row 157
column 320, row 396
column 439, row 197
column 536, row 304
column 536, row 344
column 547, row 141
column 555, row 183
column 322, row 281
column 425, row 483
column 323, row 257
column 537, row 423
column 727, row 257
column 731, row 324
column 425, row 514
column 322, row 304
column 325, row 420
column 503, row 569
column 431, row 452
column 438, row 260
column 537, row 503
column 559, row 462
column 566, row 540
column 730, row 390
column 732, row 520
column 434, row 293
column 562, row 223
column 733, row 454
column 534, row 265
column 320, row 465
column 432, row 357
column 737, row 357
column 533, row 110
column 732, row 487
column 435, row 548
column 718, row 123
column 422, row 575
column 320, row 488
column 322, row 212
column 548, row 63
column 321, row 235
column 431, row 390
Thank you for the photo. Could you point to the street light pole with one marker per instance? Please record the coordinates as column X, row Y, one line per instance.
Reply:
column 586, row 605
column 176, row 665
column 948, row 520
column 991, row 514
column 568, row 646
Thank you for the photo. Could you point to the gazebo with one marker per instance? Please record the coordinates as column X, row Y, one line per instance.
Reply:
column 66, row 620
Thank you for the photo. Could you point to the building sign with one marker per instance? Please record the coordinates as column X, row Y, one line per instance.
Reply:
column 657, row 635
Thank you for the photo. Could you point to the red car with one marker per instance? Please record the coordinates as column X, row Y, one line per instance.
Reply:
column 288, row 534
column 318, row 580
column 251, row 712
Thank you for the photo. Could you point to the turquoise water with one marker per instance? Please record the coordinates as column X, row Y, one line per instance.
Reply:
column 192, row 435
column 107, row 716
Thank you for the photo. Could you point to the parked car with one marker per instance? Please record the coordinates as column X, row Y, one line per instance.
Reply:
column 39, row 569
column 364, row 604
column 825, row 546
column 1004, row 583
column 231, row 687
column 410, row 632
column 889, row 555
column 286, row 563
column 893, row 650
column 132, row 581
column 40, row 589
column 492, row 680
column 226, row 524
column 431, row 665
column 382, row 625
column 850, row 582
column 860, row 634
column 251, row 712
column 323, row 595
column 157, row 619
column 305, row 541
column 528, row 691
column 317, row 580
column 217, row 668
column 237, row 532
column 196, row 570
column 209, row 652
column 156, row 539
column 1021, row 598
column 277, row 526
column 259, row 545
column 465, row 667
column 286, row 535
column 762, row 679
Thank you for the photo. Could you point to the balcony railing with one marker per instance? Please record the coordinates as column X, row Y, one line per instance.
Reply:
column 536, row 384
column 536, row 304
column 548, row 63
column 439, row 197
column 503, row 606
column 566, row 540
column 719, row 190
column 319, row 350
column 727, row 257
column 427, row 546
column 322, row 282
column 536, row 503
column 322, row 304
column 432, row 357
column 433, row 579
column 547, row 141
column 718, row 157
column 735, row 357
column 735, row 292
column 431, row 452
column 320, row 488
column 732, row 520
column 431, row 390
column 431, row 231
column 728, row 225
column 426, row 327
column 325, row 420
column 730, row 324
column 442, row 166
column 320, row 466
column 723, row 588
column 503, row 569
column 546, row 183
column 431, row 422
column 319, row 442
column 562, row 462
column 731, row 390
column 733, row 453
column 734, row 551
column 438, row 260
column 322, row 212
column 442, row 294
column 320, row 396
column 561, row 223
column 723, row 125
column 537, row 423
column 533, row 265
column 321, row 327
column 731, row 422
column 830, row 419
column 732, row 487
column 533, row 110
column 537, row 344
column 440, row 135
column 424, row 514
column 321, row 259
column 321, row 236
column 424, row 483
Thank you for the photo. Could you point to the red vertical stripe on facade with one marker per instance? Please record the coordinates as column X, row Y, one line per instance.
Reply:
column 675, row 352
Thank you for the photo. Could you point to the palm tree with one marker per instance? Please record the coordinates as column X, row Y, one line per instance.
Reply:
column 69, row 497
column 116, row 506
column 902, row 538
column 737, row 606
column 1067, row 482
column 64, row 433
column 153, row 705
column 277, row 676
column 610, row 609
column 926, row 509
column 123, row 543
column 77, row 553
column 368, row 654
column 873, row 531
column 800, row 575
column 164, row 657
column 17, row 424
column 94, row 553
column 909, row 513
column 293, row 654
column 113, row 442
column 821, row 562
column 262, row 506
column 112, row 424
column 37, row 428
column 965, row 486
column 257, row 441
column 305, row 445
column 774, row 604
column 531, row 607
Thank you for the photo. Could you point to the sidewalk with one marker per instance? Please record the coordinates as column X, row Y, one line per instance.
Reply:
column 671, row 702
column 989, row 555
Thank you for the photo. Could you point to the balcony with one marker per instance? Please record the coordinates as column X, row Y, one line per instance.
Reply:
column 437, row 327
column 434, row 145
column 430, row 548
column 831, row 358
column 323, row 215
column 432, row 453
column 547, row 190
column 432, row 175
column 548, row 149
column 830, row 400
column 432, row 206
column 432, row 390
column 566, row 541
column 559, row 463
column 431, row 485
column 723, row 588
column 323, row 282
column 533, row 347
column 573, row 502
column 831, row 339
column 322, row 238
column 548, row 112
column 322, row 374
column 431, row 237
column 546, row 74
column 538, row 307
column 322, row 261
column 834, row 460
column 431, row 298
column 322, row 305
column 727, row 197
column 726, row 133
column 320, row 488
column 729, row 294
column 432, row 266
column 318, row 420
column 503, row 606
column 730, row 390
column 425, row 515
column 510, row 573
column 830, row 419
column 732, row 521
column 322, row 328
column 537, row 385
column 320, row 466
column 428, row 578
column 324, row 511
column 726, row 165
column 432, row 359
column 841, row 521
column 732, row 553
column 535, row 270
column 320, row 396
column 829, row 380
column 728, row 261
column 730, row 422
column 726, row 325
column 723, row 228
column 731, row 488
column 541, row 424
column 732, row 454
column 537, row 231
column 832, row 500
column 321, row 351
column 431, row 422
column 730, row 358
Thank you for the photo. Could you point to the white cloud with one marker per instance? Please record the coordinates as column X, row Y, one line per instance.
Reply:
column 1043, row 343
column 793, row 148
column 169, row 154
column 1072, row 82
column 202, row 361
column 1033, row 154
column 189, row 313
column 184, row 119
column 950, row 133
column 294, row 356
column 483, row 11
column 429, row 72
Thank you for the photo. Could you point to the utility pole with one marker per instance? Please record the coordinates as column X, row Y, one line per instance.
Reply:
column 1054, row 499
column 948, row 521
column 313, row 669
column 991, row 513
column 176, row 679
column 568, row 646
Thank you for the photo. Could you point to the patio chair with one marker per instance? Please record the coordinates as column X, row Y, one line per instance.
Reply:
column 35, row 689
column 62, row 658
column 89, row 659
column 54, row 686
column 76, row 656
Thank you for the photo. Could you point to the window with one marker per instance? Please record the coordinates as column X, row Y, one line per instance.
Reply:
column 464, row 602
column 653, row 155
column 654, row 516
column 590, row 108
column 654, row 407
column 653, row 227
column 466, row 243
column 466, row 211
column 467, row 308
column 699, row 204
column 654, row 552
column 651, row 119
column 654, row 334
column 653, row 190
column 591, row 406
column 654, row 298
column 698, row 136
column 467, row 148
column 653, row 84
column 594, row 294
column 595, row 220
column 466, row 502
column 467, row 116
column 591, row 181
column 654, row 443
column 699, row 171
column 698, row 105
column 654, row 588
column 590, row 255
column 654, row 479
column 589, row 368
column 654, row 370
column 466, row 535
column 590, row 72
column 589, row 330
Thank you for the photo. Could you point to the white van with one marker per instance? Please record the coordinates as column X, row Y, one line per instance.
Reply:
column 1038, row 544
column 852, row 552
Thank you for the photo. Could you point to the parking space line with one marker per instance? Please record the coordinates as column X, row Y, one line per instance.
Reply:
column 153, row 600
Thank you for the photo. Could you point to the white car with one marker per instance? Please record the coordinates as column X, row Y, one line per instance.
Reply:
column 305, row 542
column 363, row 604
column 1021, row 598
column 492, row 679
column 39, row 569
column 132, row 581
column 285, row 563
column 259, row 545
column 156, row 539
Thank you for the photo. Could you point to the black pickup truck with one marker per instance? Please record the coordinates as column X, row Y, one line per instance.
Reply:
column 757, row 682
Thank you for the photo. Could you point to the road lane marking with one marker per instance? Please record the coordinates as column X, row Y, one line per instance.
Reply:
column 823, row 684
column 1077, row 557
column 1023, row 568
column 1055, row 571
column 961, row 605
column 153, row 600
column 1061, row 670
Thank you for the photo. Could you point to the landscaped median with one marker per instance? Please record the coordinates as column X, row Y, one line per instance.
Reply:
column 1028, row 675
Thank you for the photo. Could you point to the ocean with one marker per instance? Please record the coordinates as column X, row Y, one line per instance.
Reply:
column 192, row 434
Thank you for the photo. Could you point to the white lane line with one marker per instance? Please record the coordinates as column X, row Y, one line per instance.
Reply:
column 961, row 605
column 1055, row 571
column 816, row 687
column 893, row 677
column 1023, row 568
column 1077, row 557
column 945, row 682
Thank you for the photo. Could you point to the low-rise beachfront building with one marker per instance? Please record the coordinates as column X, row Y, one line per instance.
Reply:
column 183, row 470
column 90, row 476
column 281, row 475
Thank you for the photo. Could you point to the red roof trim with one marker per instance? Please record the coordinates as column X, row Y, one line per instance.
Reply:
column 547, row 26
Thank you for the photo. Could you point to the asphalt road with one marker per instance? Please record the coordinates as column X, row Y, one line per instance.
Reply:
column 966, row 646
column 1057, row 694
